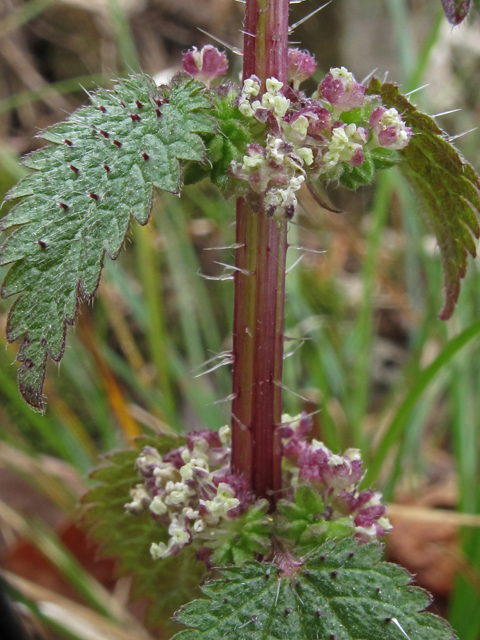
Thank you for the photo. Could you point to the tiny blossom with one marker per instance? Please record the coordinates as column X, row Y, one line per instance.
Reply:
column 389, row 130
column 344, row 145
column 191, row 490
column 336, row 478
column 301, row 66
column 341, row 90
column 206, row 64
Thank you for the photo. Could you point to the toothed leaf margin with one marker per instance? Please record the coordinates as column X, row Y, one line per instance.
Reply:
column 77, row 205
column 445, row 183
column 343, row 591
column 167, row 584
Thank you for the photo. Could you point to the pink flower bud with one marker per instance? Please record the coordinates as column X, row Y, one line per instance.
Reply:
column 301, row 65
column 389, row 130
column 206, row 64
column 357, row 158
column 341, row 89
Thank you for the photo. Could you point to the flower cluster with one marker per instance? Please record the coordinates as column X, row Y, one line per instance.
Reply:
column 190, row 490
column 307, row 138
column 193, row 494
column 336, row 479
column 338, row 134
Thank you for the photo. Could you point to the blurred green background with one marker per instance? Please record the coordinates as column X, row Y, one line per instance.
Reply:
column 366, row 347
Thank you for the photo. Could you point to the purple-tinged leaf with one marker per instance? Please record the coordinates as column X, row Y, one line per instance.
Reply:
column 456, row 10
column 445, row 183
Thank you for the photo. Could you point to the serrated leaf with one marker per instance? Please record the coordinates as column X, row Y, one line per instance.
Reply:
column 79, row 201
column 343, row 591
column 166, row 584
column 446, row 184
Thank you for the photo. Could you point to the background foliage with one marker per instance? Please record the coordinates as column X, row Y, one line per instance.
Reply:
column 387, row 375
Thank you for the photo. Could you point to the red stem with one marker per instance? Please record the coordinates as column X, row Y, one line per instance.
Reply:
column 260, row 287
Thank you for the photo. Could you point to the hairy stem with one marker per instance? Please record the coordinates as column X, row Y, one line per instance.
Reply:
column 260, row 286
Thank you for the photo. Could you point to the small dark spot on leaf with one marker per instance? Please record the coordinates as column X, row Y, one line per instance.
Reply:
column 318, row 613
column 104, row 133
column 107, row 168
column 43, row 341
column 74, row 169
column 135, row 117
column 42, row 244
column 29, row 364
column 225, row 600
column 63, row 205
column 334, row 574
column 117, row 143
column 157, row 111
column 378, row 590
column 145, row 156
column 306, row 573
column 254, row 618
column 387, row 620
column 139, row 104
column 351, row 554
column 322, row 558
column 102, row 109
column 287, row 611
column 70, row 144
column 94, row 196
column 332, row 636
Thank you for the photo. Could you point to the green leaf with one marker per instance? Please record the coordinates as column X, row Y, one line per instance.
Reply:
column 78, row 203
column 342, row 591
column 168, row 583
column 445, row 183
column 354, row 177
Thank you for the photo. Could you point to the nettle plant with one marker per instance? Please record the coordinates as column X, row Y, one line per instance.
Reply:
column 280, row 521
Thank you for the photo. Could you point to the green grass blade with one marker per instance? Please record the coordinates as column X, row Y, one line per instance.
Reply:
column 418, row 386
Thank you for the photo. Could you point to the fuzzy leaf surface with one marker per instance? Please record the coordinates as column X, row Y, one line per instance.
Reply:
column 168, row 583
column 77, row 205
column 343, row 591
column 445, row 183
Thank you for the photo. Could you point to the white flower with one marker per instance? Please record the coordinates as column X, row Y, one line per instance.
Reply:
column 199, row 526
column 273, row 85
column 341, row 148
column 385, row 524
column 251, row 87
column 159, row 551
column 252, row 162
column 335, row 461
column 281, row 105
column 245, row 109
column 306, row 155
column 140, row 499
column 341, row 73
column 158, row 507
column 225, row 434
column 275, row 149
column 300, row 125
column 353, row 454
column 317, row 445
